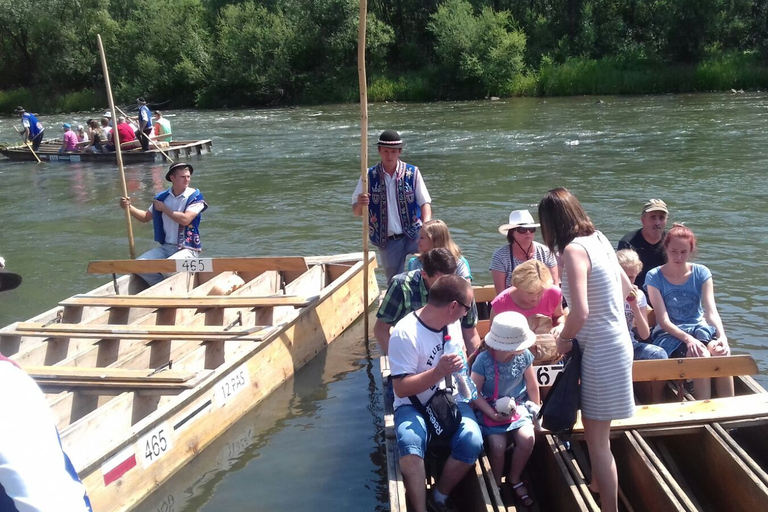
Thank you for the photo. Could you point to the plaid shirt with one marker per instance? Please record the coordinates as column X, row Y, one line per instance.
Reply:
column 406, row 293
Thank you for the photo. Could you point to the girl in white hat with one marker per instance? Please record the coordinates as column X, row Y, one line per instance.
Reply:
column 504, row 375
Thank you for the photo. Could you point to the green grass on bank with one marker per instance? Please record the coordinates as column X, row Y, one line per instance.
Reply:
column 575, row 77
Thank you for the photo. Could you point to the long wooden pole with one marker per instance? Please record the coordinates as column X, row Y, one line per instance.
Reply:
column 150, row 138
column 363, row 146
column 26, row 143
column 118, row 151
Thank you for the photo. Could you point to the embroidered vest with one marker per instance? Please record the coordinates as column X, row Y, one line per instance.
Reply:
column 188, row 236
column 407, row 207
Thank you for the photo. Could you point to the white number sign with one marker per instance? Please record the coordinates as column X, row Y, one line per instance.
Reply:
column 155, row 444
column 194, row 265
column 230, row 386
column 546, row 374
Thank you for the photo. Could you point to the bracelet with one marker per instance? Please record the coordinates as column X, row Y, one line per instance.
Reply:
column 567, row 340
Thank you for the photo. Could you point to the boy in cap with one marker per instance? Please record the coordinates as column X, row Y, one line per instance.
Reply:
column 647, row 241
column 35, row 473
column 69, row 140
column 33, row 129
column 398, row 202
column 175, row 215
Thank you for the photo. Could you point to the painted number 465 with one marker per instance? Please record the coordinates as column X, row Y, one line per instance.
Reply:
column 155, row 444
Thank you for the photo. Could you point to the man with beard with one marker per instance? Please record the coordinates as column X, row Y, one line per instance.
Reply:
column 647, row 242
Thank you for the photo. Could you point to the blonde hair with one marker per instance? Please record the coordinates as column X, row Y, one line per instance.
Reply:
column 630, row 259
column 437, row 232
column 532, row 276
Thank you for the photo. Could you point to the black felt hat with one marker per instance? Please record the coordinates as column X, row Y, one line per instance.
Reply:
column 178, row 165
column 19, row 110
column 390, row 139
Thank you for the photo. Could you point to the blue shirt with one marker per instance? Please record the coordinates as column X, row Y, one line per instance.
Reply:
column 682, row 301
column 511, row 374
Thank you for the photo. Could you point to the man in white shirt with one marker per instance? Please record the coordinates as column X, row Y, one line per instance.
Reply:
column 175, row 214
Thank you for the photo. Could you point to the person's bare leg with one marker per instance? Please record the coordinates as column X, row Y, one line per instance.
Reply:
column 524, row 438
column 497, row 445
column 603, row 465
column 702, row 389
column 724, row 387
column 453, row 472
column 414, row 476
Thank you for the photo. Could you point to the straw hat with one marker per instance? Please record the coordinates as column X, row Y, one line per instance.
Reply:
column 518, row 218
column 510, row 332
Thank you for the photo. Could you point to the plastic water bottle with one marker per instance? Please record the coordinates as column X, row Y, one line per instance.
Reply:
column 467, row 389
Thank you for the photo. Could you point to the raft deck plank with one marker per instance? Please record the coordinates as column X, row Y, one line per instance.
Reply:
column 153, row 332
column 693, row 368
column 682, row 413
column 123, row 301
column 106, row 374
column 294, row 264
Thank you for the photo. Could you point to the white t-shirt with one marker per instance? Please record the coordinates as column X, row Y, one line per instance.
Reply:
column 32, row 466
column 176, row 203
column 415, row 348
column 394, row 226
column 642, row 302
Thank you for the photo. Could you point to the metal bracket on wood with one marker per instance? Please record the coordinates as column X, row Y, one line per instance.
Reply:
column 236, row 321
column 57, row 320
column 166, row 366
column 114, row 283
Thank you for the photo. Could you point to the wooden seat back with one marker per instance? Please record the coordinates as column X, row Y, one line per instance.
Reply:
column 250, row 265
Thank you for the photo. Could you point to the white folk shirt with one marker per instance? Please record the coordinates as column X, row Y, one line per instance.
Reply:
column 394, row 226
column 176, row 203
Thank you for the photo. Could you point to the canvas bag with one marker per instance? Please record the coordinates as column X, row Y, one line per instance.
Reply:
column 441, row 413
column 559, row 410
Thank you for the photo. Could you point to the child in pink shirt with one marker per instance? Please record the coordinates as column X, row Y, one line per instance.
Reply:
column 70, row 141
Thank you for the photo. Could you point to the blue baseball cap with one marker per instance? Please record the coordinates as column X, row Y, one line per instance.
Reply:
column 66, row 125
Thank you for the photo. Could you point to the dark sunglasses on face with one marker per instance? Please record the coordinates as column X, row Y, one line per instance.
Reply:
column 522, row 230
column 465, row 306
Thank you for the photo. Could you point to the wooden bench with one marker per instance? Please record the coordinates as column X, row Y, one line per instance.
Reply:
column 144, row 332
column 484, row 293
column 141, row 301
column 110, row 380
column 218, row 265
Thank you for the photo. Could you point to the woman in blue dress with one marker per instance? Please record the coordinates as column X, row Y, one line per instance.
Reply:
column 683, row 296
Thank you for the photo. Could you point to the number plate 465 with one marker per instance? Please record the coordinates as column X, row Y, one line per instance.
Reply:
column 155, row 444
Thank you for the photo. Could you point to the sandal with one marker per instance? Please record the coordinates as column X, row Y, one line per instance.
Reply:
column 527, row 500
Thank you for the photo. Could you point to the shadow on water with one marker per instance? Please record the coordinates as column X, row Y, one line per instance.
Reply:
column 300, row 449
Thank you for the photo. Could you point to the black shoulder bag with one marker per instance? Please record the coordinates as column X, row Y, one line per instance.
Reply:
column 560, row 407
column 441, row 413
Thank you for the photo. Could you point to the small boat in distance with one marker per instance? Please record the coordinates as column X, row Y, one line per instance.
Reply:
column 48, row 152
column 141, row 380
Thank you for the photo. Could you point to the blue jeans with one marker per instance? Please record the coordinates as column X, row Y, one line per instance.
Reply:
column 412, row 434
column 394, row 254
column 162, row 252
column 645, row 351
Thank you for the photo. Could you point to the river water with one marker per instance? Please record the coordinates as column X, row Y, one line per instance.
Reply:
column 280, row 182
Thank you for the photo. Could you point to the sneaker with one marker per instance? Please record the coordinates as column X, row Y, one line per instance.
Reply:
column 434, row 506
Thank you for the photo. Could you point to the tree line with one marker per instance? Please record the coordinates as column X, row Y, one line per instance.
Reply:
column 227, row 53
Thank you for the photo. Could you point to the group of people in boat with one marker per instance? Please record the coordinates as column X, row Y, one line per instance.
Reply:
column 585, row 288
column 97, row 136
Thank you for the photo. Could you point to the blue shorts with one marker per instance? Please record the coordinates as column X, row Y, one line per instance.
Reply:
column 646, row 351
column 670, row 344
column 412, row 434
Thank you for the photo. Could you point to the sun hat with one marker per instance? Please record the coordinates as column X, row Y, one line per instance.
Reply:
column 66, row 125
column 107, row 114
column 510, row 332
column 8, row 280
column 390, row 139
column 19, row 110
column 518, row 218
column 178, row 165
column 655, row 205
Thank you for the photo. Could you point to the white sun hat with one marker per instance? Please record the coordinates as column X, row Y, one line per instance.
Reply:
column 510, row 332
column 518, row 218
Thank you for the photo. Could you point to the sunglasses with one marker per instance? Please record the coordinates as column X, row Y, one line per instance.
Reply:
column 522, row 230
column 462, row 304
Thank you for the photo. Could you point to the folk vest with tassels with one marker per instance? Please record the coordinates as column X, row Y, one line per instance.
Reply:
column 407, row 207
column 188, row 236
